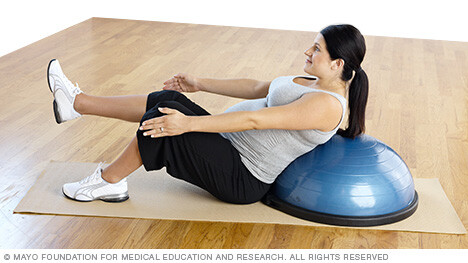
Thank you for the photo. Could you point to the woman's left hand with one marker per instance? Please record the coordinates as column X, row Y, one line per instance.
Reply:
column 171, row 124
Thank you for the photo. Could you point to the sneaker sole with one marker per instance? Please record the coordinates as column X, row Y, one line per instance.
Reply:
column 56, row 113
column 48, row 68
column 111, row 199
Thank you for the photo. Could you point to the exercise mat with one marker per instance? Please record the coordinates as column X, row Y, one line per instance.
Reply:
column 157, row 195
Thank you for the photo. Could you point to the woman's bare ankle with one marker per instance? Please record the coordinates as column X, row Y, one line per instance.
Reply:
column 109, row 178
column 79, row 104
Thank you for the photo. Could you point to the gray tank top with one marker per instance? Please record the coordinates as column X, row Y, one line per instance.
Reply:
column 266, row 153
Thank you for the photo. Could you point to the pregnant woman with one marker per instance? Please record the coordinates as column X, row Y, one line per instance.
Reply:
column 238, row 154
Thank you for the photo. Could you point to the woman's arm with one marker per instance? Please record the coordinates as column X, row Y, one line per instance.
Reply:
column 312, row 111
column 239, row 88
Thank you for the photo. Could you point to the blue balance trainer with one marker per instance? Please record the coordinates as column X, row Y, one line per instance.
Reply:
column 347, row 182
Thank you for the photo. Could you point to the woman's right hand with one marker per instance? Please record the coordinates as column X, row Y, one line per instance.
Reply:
column 182, row 82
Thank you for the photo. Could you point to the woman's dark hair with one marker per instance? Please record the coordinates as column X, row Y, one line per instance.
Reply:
column 346, row 42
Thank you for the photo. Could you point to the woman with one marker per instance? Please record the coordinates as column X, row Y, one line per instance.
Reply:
column 237, row 155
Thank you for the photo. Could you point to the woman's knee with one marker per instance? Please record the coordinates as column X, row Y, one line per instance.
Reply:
column 164, row 95
column 174, row 105
column 154, row 111
column 150, row 114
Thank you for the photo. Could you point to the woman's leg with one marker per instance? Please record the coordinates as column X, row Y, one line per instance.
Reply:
column 129, row 108
column 130, row 159
column 127, row 162
column 203, row 159
column 70, row 102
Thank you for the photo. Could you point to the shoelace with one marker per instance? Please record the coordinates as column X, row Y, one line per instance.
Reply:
column 94, row 176
column 75, row 89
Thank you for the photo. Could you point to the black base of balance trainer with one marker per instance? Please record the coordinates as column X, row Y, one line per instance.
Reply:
column 339, row 220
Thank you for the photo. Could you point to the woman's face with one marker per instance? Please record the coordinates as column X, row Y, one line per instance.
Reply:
column 318, row 60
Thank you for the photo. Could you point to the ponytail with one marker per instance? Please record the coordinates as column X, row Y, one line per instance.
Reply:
column 347, row 43
column 357, row 99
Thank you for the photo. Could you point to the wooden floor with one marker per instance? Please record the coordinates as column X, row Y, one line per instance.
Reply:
column 418, row 105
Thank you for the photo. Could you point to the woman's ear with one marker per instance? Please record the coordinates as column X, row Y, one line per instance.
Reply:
column 337, row 63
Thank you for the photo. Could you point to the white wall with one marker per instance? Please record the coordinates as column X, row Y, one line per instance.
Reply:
column 24, row 22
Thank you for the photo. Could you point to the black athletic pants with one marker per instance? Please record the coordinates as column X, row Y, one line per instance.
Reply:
column 204, row 159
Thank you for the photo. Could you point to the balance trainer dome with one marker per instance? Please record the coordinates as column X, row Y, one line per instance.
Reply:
column 350, row 182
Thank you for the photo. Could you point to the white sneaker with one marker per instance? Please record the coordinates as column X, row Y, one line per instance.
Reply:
column 94, row 187
column 64, row 93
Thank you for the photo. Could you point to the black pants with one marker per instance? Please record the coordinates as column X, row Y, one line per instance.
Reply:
column 204, row 159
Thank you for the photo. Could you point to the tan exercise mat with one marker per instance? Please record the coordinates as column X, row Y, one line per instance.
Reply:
column 157, row 195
